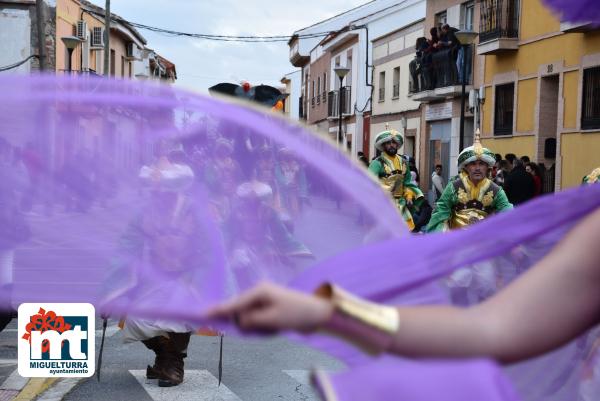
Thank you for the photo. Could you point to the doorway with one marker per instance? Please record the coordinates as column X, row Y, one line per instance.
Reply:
column 548, row 129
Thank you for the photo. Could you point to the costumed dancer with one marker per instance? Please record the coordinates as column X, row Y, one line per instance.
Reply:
column 394, row 175
column 472, row 196
column 466, row 200
column 164, row 241
column 593, row 177
column 512, row 326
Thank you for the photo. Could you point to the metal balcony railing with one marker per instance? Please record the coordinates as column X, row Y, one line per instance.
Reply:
column 87, row 71
column 382, row 94
column 499, row 19
column 396, row 91
column 333, row 98
column 440, row 69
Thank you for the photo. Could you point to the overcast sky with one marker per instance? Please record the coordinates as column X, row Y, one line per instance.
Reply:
column 202, row 63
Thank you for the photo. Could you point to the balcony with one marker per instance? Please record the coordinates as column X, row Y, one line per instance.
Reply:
column 498, row 26
column 333, row 106
column 86, row 72
column 436, row 76
column 297, row 59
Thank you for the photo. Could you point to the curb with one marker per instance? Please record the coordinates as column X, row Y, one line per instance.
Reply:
column 34, row 388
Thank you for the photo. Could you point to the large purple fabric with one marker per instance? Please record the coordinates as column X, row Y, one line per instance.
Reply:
column 153, row 202
column 576, row 10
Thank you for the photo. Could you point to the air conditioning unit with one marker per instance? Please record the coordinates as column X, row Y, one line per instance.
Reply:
column 81, row 30
column 130, row 50
column 98, row 37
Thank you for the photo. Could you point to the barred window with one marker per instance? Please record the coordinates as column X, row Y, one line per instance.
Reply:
column 590, row 108
column 396, row 81
column 503, row 114
column 382, row 86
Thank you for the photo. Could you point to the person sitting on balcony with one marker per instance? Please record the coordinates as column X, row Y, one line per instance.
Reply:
column 418, row 65
column 445, row 62
column 448, row 39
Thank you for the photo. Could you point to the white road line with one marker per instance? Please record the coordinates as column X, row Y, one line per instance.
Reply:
column 14, row 382
column 198, row 385
column 60, row 389
column 301, row 376
column 110, row 331
column 9, row 361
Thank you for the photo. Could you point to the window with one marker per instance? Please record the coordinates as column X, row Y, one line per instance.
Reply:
column 318, row 90
column 382, row 86
column 396, row 88
column 312, row 98
column 467, row 11
column 97, row 37
column 503, row 115
column 122, row 66
column 324, row 87
column 112, row 62
column 590, row 107
column 348, row 78
column 441, row 19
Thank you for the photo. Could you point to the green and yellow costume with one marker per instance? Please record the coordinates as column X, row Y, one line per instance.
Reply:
column 463, row 203
column 395, row 178
column 593, row 177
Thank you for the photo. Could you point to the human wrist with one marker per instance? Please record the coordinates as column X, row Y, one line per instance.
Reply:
column 369, row 325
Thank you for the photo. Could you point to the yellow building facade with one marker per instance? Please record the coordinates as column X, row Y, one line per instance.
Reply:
column 541, row 88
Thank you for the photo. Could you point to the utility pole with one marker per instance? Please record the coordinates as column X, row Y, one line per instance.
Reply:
column 107, row 39
column 41, row 33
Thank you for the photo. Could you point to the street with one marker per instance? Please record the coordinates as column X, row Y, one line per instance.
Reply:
column 273, row 369
column 253, row 369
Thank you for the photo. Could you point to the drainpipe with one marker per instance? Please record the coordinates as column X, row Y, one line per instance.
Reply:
column 370, row 99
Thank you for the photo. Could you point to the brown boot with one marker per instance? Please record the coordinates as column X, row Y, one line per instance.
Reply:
column 159, row 345
column 170, row 368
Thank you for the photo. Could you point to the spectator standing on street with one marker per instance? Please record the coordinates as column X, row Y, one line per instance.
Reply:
column 534, row 170
column 363, row 159
column 502, row 172
column 519, row 185
column 437, row 182
column 510, row 158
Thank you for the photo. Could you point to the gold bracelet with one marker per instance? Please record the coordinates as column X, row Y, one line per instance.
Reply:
column 369, row 325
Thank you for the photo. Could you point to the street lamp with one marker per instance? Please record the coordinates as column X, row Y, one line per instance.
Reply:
column 341, row 72
column 71, row 43
column 466, row 38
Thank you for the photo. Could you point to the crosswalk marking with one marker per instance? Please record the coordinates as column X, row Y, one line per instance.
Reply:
column 110, row 331
column 14, row 381
column 199, row 385
column 301, row 376
column 60, row 389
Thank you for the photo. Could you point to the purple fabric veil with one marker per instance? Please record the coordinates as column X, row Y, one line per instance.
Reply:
column 153, row 202
column 576, row 10
column 149, row 201
column 503, row 247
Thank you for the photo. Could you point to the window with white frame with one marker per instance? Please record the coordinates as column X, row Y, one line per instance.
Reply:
column 467, row 15
column 396, row 82
column 382, row 86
